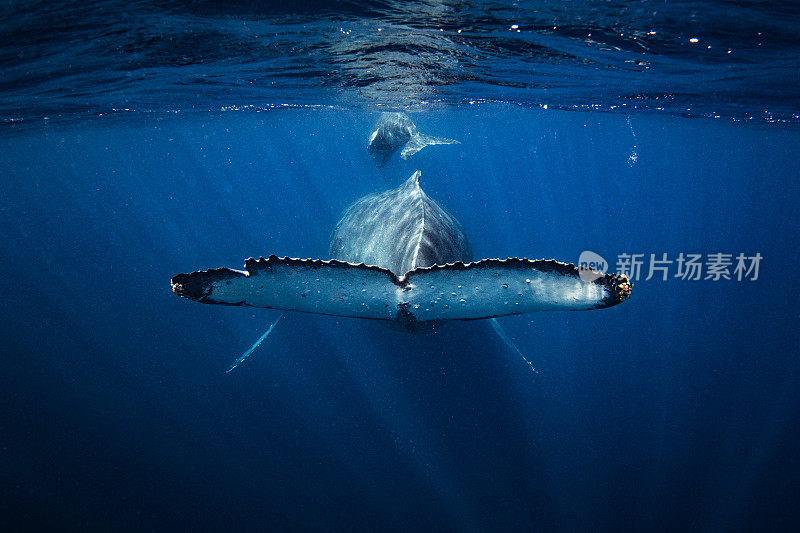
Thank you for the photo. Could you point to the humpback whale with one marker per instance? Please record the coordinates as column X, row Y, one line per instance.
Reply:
column 394, row 130
column 399, row 257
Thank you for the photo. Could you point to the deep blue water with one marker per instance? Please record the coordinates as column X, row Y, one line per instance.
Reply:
column 676, row 410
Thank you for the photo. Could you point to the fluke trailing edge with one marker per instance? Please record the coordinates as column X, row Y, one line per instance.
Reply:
column 399, row 257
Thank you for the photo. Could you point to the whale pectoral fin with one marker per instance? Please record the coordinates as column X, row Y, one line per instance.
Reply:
column 457, row 291
column 255, row 345
column 420, row 141
column 510, row 343
column 306, row 285
column 494, row 287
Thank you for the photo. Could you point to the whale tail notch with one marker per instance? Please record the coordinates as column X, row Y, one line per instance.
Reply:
column 419, row 141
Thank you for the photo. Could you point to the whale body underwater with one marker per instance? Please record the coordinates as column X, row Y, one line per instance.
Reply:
column 399, row 257
column 395, row 130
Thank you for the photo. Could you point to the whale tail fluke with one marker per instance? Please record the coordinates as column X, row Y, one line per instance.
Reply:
column 457, row 291
column 420, row 141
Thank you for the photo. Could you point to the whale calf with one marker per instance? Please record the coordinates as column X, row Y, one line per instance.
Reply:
column 394, row 130
column 399, row 257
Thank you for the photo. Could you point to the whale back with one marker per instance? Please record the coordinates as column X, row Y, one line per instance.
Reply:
column 400, row 229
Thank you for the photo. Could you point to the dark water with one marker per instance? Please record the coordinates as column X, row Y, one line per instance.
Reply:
column 676, row 410
column 734, row 60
